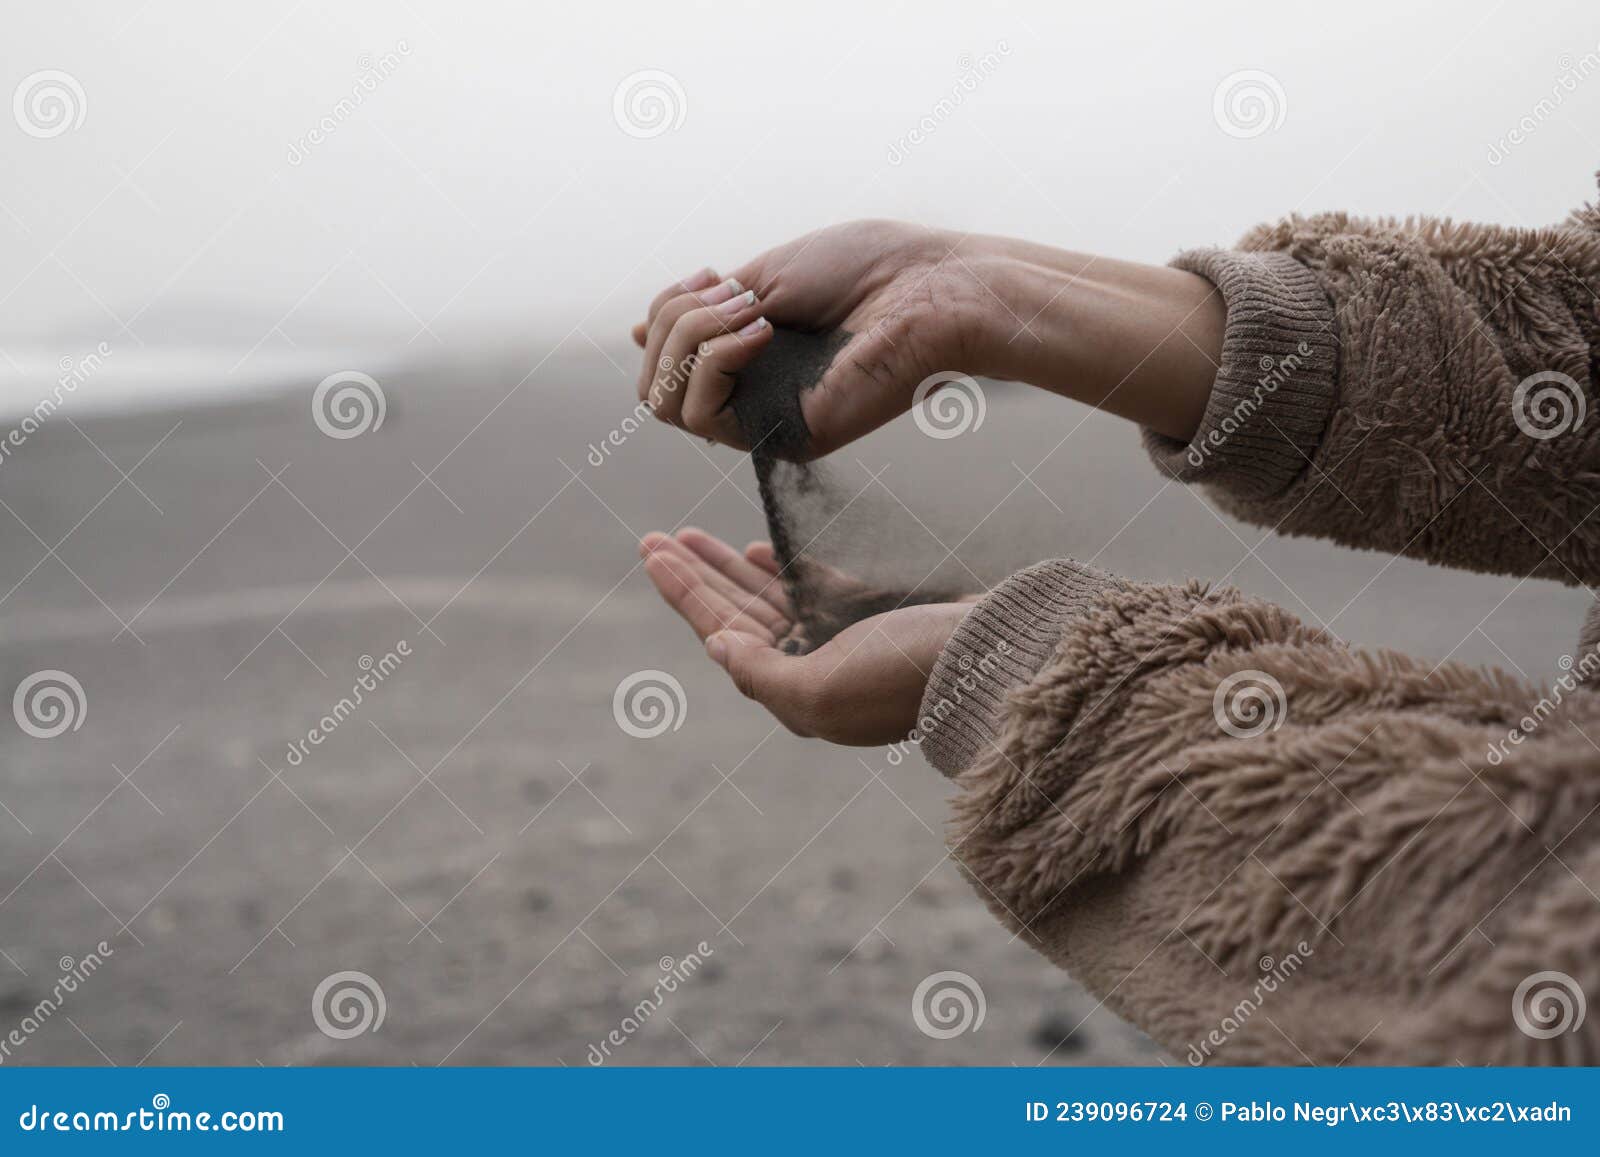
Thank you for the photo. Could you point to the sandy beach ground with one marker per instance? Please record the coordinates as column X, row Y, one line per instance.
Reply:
column 480, row 837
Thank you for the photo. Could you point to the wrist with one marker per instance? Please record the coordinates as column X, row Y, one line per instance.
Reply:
column 999, row 645
column 1140, row 341
column 1020, row 333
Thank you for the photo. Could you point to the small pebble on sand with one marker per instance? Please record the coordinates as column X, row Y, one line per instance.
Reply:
column 1060, row 1032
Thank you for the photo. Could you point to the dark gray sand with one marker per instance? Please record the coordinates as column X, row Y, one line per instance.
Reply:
column 803, row 504
column 479, row 835
column 766, row 398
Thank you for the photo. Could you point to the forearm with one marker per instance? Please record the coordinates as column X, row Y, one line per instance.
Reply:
column 1193, row 788
column 1436, row 407
column 1139, row 341
column 1392, row 386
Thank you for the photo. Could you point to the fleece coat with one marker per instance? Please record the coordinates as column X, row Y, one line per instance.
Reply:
column 1257, row 844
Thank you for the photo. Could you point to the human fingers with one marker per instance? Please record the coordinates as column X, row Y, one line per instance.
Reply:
column 687, row 590
column 691, row 338
column 744, row 600
column 717, row 363
column 762, row 555
column 704, row 279
column 741, row 570
column 659, row 378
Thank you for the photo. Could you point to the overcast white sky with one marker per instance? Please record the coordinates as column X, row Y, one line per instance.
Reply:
column 486, row 186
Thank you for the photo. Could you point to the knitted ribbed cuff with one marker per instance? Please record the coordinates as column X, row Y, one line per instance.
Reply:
column 1001, row 644
column 1276, row 386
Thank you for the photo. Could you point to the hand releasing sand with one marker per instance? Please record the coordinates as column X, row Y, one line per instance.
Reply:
column 766, row 402
column 814, row 344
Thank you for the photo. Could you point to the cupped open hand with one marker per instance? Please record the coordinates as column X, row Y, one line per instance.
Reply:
column 863, row 687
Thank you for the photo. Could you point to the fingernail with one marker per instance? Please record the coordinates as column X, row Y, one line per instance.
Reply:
column 717, row 648
column 754, row 327
column 720, row 293
column 744, row 301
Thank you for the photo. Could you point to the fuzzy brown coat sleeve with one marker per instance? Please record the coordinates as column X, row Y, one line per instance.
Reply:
column 1261, row 846
column 1419, row 387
